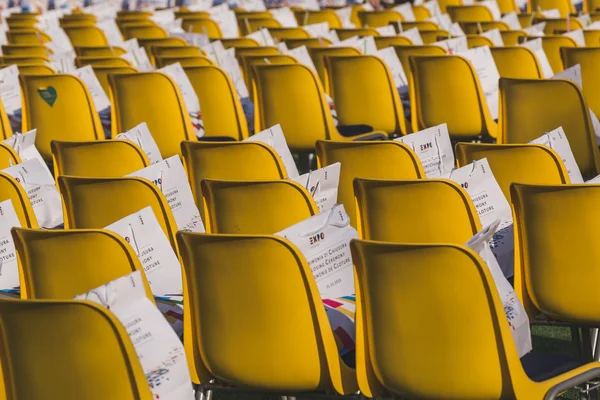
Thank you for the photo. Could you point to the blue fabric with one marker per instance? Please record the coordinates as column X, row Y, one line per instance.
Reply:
column 16, row 121
column 249, row 113
column 543, row 366
column 105, row 120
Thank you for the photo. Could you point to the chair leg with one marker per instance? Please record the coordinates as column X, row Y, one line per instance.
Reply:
column 576, row 339
column 586, row 339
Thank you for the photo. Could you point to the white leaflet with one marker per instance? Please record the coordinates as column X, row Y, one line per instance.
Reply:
column 414, row 36
column 512, row 20
column 317, row 30
column 391, row 59
column 301, row 54
column 485, row 67
column 263, row 37
column 434, row 149
column 551, row 14
column 577, row 36
column 455, row 45
column 24, row 145
column 495, row 36
column 111, row 30
column 406, row 11
column 536, row 46
column 285, row 16
column 386, row 30
column 557, row 140
column 141, row 136
column 176, row 72
column 275, row 138
column 492, row 5
column 9, row 269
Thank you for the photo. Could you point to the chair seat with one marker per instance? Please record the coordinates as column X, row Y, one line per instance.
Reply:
column 542, row 366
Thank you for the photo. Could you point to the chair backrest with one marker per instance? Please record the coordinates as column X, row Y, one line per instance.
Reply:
column 222, row 113
column 144, row 32
column 8, row 156
column 26, row 69
column 86, row 36
column 202, row 25
column 521, row 163
column 300, row 345
column 370, row 160
column 479, row 41
column 60, row 264
column 420, row 25
column 239, row 42
column 320, row 54
column 254, row 51
column 99, row 51
column 25, row 51
column 432, row 36
column 291, row 95
column 414, row 211
column 386, row 41
column 539, row 232
column 406, row 51
column 347, row 33
column 104, row 358
column 60, row 107
column 103, row 72
column 436, row 98
column 511, row 38
column 288, row 33
column 177, row 51
column 248, row 26
column 478, row 27
column 111, row 158
column 390, row 276
column 236, row 161
column 516, row 62
column 592, row 38
column 5, row 128
column 552, row 46
column 587, row 58
column 249, row 62
column 150, row 44
column 153, row 98
column 470, row 13
column 12, row 190
column 563, row 6
column 114, row 61
column 231, row 206
column 310, row 43
column 93, row 203
column 563, row 24
column 27, row 37
column 561, row 103
column 306, row 17
column 185, row 61
column 24, row 60
column 379, row 18
column 364, row 92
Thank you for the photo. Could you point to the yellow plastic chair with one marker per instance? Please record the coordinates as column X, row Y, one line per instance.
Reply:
column 153, row 98
column 470, row 13
column 248, row 26
column 552, row 46
column 133, row 15
column 386, row 41
column 371, row 160
column 565, row 7
column 12, row 190
column 185, row 61
column 76, row 24
column 306, row 17
column 60, row 107
column 79, row 17
column 243, row 14
column 177, row 51
column 236, row 161
column 420, row 25
column 93, row 203
column 102, row 74
column 511, row 38
column 183, row 13
column 283, row 203
column 540, row 271
column 526, row 19
column 248, row 63
column 300, row 346
column 446, row 90
column 104, row 358
column 479, row 41
column 29, row 69
column 100, row 51
column 89, row 159
column 60, row 264
column 144, row 32
column 5, row 128
column 422, row 13
column 379, row 18
column 86, row 36
column 347, row 33
column 414, row 211
column 524, row 163
column 364, row 92
column 517, row 62
column 8, row 156
column 222, row 112
column 150, row 44
column 27, row 37
column 475, row 28
column 553, row 25
column 308, row 42
column 288, row 33
column 444, row 4
column 10, row 60
column 562, row 104
column 254, row 51
column 291, row 95
column 25, row 51
column 592, row 38
column 123, row 25
column 21, row 23
column 405, row 52
column 202, row 25
column 432, row 36
column 587, row 58
column 239, row 42
column 113, row 61
column 389, row 276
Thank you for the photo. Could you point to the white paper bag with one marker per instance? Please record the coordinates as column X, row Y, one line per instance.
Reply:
column 551, row 14
column 577, row 36
column 491, row 204
column 367, row 45
column 492, row 5
column 345, row 15
column 406, row 11
column 434, row 149
column 515, row 313
column 512, row 20
column 263, row 37
column 141, row 136
column 226, row 20
column 317, row 30
column 192, row 104
column 111, row 31
column 227, row 61
column 275, row 138
column 442, row 20
column 483, row 62
column 284, row 16
column 139, row 59
column 59, row 38
column 495, row 36
column 301, row 54
column 572, row 74
column 390, row 57
column 536, row 46
column 557, row 141
column 324, row 240
column 87, row 75
column 322, row 184
column 456, row 45
column 24, row 145
column 10, row 90
column 41, row 190
column 414, row 36
column 149, row 242
column 172, row 181
column 387, row 30
column 536, row 30
column 9, row 268
column 159, row 349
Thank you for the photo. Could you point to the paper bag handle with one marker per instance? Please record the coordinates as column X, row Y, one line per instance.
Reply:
column 328, row 222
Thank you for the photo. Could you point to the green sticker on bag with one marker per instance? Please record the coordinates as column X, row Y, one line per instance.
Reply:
column 48, row 95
